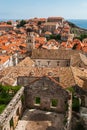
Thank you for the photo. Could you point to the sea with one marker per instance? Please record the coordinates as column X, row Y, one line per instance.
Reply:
column 82, row 23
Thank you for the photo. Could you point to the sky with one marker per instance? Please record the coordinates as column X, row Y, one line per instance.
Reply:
column 25, row 9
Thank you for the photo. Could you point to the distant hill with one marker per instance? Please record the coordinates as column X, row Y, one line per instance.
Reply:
column 77, row 30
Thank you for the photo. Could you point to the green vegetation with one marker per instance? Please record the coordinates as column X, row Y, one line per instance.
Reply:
column 75, row 100
column 37, row 101
column 75, row 104
column 11, row 122
column 71, row 89
column 2, row 107
column 6, row 94
column 79, row 33
column 82, row 36
column 21, row 24
column 9, row 22
column 54, row 102
column 56, row 37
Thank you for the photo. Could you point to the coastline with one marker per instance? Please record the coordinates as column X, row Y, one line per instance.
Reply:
column 80, row 23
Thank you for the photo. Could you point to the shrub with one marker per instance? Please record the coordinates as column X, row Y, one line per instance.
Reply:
column 54, row 102
column 6, row 94
column 22, row 23
column 75, row 104
column 71, row 89
column 2, row 107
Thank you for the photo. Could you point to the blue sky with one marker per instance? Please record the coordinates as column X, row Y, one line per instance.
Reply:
column 24, row 9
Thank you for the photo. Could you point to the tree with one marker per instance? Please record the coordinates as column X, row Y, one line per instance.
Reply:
column 22, row 23
column 56, row 37
column 82, row 36
column 9, row 22
column 6, row 94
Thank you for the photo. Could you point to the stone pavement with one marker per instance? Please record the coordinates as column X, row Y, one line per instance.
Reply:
column 40, row 120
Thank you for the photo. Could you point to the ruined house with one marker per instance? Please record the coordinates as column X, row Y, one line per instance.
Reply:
column 45, row 84
column 47, row 94
column 43, row 92
column 66, row 76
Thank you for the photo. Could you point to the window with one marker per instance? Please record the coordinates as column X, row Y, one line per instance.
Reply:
column 58, row 63
column 54, row 103
column 68, row 63
column 38, row 62
column 29, row 41
column 37, row 100
column 48, row 62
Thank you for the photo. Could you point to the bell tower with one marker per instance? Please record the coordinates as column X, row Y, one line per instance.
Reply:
column 30, row 41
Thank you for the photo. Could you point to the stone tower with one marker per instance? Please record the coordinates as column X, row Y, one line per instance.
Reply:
column 30, row 40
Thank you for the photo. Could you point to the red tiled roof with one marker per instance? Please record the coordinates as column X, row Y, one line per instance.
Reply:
column 3, row 59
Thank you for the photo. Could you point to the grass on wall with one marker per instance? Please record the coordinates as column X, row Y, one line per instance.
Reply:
column 6, row 94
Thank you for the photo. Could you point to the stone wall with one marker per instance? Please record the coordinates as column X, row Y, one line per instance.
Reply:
column 82, row 95
column 46, row 91
column 51, row 27
column 10, row 116
column 51, row 63
column 69, row 114
column 86, row 101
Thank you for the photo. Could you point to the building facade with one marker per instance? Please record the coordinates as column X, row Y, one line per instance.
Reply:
column 46, row 94
column 55, row 19
column 50, row 26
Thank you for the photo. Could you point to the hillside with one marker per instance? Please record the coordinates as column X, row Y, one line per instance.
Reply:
column 77, row 30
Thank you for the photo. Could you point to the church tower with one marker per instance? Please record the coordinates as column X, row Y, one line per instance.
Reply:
column 30, row 40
